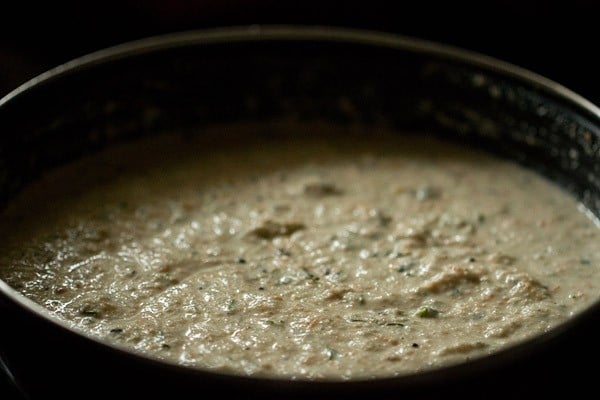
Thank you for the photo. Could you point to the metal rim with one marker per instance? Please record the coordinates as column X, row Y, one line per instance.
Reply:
column 256, row 33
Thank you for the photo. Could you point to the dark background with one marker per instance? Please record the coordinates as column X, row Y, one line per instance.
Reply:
column 558, row 39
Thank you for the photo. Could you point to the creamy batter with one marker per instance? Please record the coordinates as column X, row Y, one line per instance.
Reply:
column 302, row 251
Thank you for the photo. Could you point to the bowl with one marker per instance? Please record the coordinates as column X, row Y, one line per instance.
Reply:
column 195, row 79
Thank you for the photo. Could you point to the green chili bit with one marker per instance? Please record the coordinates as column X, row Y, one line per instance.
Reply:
column 427, row 312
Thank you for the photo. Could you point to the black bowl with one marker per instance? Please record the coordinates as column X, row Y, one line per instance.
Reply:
column 192, row 79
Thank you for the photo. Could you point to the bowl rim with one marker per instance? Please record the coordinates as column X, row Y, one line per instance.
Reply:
column 256, row 33
column 273, row 33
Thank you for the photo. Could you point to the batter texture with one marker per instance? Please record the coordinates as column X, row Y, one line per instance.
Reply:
column 303, row 251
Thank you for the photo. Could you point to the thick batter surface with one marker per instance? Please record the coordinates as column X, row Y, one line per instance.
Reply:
column 315, row 257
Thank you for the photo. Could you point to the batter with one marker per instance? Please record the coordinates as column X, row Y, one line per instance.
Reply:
column 302, row 251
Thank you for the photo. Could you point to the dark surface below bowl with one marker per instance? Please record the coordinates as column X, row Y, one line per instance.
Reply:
column 187, row 81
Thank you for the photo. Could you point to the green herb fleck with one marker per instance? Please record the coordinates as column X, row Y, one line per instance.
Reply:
column 427, row 193
column 88, row 311
column 321, row 190
column 270, row 229
column 332, row 354
column 427, row 312
column 361, row 300
column 310, row 275
column 230, row 307
column 585, row 261
column 406, row 267
column 283, row 252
